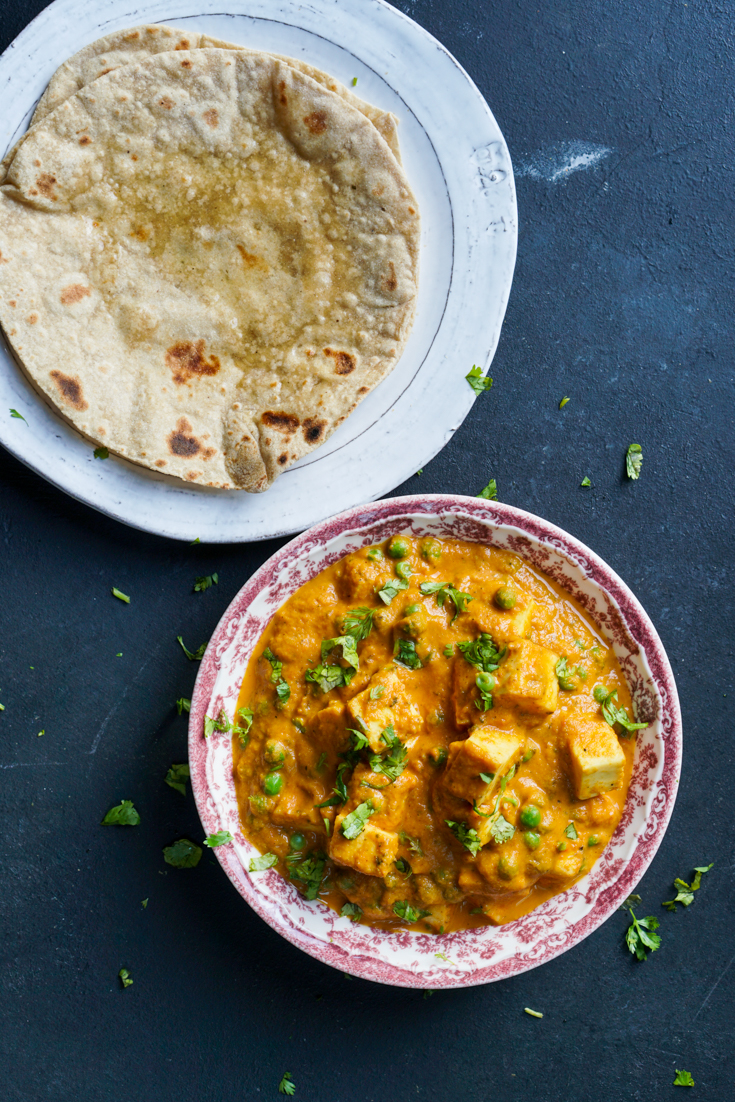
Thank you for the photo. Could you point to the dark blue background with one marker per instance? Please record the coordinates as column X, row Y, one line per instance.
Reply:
column 623, row 299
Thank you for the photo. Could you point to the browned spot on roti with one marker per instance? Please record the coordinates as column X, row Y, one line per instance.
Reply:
column 363, row 390
column 211, row 117
column 313, row 429
column 344, row 363
column 186, row 64
column 70, row 389
column 283, row 458
column 134, row 157
column 160, row 462
column 32, row 319
column 135, row 34
column 250, row 260
column 186, row 360
column 166, row 103
column 282, row 422
column 104, row 72
column 13, row 303
column 411, row 210
column 75, row 292
column 183, row 44
column 282, row 93
column 181, row 442
column 45, row 184
column 85, row 140
column 192, row 476
column 140, row 232
column 2, row 259
column 316, row 122
column 391, row 282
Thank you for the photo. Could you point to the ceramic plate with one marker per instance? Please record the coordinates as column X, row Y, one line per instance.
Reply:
column 458, row 164
column 408, row 959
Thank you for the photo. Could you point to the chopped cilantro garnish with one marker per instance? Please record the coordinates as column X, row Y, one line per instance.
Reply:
column 351, row 910
column 307, row 872
column 482, row 652
column 571, row 831
column 414, row 845
column 283, row 689
column 404, row 654
column 353, row 824
column 358, row 623
column 122, row 815
column 445, row 958
column 533, row 1013
column 563, row 402
column 287, row 1086
column 612, row 711
column 488, row 778
column 242, row 730
column 221, row 723
column 403, row 866
column 2, row 707
column 182, row 854
column 101, row 453
column 193, row 656
column 200, row 584
column 14, row 413
column 448, row 651
column 354, row 82
column 683, row 1079
column 634, row 460
column 501, row 829
column 265, row 861
column 565, row 674
column 359, row 739
column 490, row 493
column 640, row 937
column 393, row 764
column 144, row 903
column 468, row 836
column 177, row 777
column 322, row 761
column 221, row 838
column 403, row 909
column 477, row 380
column 347, row 644
column 445, row 591
column 120, row 596
column 391, row 589
column 685, row 892
column 585, row 481
column 329, row 677
column 377, row 691
column 183, row 704
column 125, row 978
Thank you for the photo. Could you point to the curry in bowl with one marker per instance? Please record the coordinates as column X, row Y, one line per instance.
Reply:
column 432, row 733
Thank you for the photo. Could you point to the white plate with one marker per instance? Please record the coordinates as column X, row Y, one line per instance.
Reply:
column 458, row 164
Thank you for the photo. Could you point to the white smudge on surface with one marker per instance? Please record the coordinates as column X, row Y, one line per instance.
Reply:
column 559, row 160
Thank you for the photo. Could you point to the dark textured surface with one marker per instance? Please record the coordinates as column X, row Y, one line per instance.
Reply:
column 623, row 300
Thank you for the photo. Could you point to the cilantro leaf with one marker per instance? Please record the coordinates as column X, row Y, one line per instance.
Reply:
column 482, row 652
column 122, row 815
column 14, row 413
column 565, row 674
column 120, row 596
column 632, row 901
column 377, row 691
column 640, row 937
column 347, row 644
column 283, row 689
column 393, row 764
column 467, row 835
column 287, row 1086
column 404, row 654
column 683, row 1079
column 101, row 453
column 183, row 704
column 177, row 777
column 125, row 978
column 391, row 589
column 445, row 591
column 193, row 656
column 221, row 838
column 487, row 778
column 571, row 832
column 340, row 786
column 414, row 845
column 200, row 584
column 353, row 824
column 563, row 402
column 501, row 829
column 221, row 723
column 328, row 677
column 242, row 730
column 611, row 710
column 585, row 481
column 307, row 872
column 358, row 623
column 265, row 861
column 477, row 380
column 359, row 740
column 490, row 493
column 634, row 460
column 182, row 854
column 351, row 910
column 685, row 892
column 403, row 909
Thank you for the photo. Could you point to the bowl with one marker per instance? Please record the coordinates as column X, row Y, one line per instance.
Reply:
column 405, row 958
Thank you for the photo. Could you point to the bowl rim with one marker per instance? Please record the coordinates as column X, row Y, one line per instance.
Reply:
column 600, row 575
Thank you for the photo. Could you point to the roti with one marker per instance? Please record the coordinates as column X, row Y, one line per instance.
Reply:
column 207, row 259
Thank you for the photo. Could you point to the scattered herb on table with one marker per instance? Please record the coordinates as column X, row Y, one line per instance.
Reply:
column 42, row 732
column 265, row 861
column 183, row 704
column 477, row 380
column 444, row 591
column 177, row 777
column 353, row 824
column 125, row 978
column 533, row 1013
column 633, row 900
column 640, row 936
column 612, row 712
column 585, row 481
column 193, row 543
column 182, row 854
column 634, row 460
column 490, row 493
column 193, row 656
column 14, row 413
column 683, row 1079
column 101, row 453
column 2, row 707
column 563, row 402
column 200, row 584
column 122, row 815
column 120, row 596
column 403, row 909
column 685, row 892
column 287, row 1085
column 144, row 904
column 354, row 82
column 221, row 838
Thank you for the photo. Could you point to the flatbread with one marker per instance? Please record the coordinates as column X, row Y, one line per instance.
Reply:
column 207, row 260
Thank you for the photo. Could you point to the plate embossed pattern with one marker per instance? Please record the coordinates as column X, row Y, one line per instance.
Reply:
column 479, row 956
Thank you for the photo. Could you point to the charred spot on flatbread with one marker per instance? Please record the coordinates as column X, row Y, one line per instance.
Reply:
column 313, row 430
column 181, row 442
column 166, row 103
column 211, row 117
column 75, row 292
column 45, row 184
column 186, row 360
column 70, row 389
column 283, row 458
column 286, row 423
column 282, row 97
column 85, row 140
column 344, row 363
column 186, row 64
column 316, row 122
column 183, row 44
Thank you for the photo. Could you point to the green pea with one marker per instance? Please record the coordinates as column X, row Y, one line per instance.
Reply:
column 505, row 597
column 431, row 550
column 593, row 840
column 375, row 554
column 297, row 841
column 532, row 839
column 403, row 570
column 508, row 866
column 274, row 752
column 485, row 682
column 398, row 547
column 530, row 816
column 272, row 784
column 561, row 846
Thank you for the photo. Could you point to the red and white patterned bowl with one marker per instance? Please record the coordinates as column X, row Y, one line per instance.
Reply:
column 407, row 959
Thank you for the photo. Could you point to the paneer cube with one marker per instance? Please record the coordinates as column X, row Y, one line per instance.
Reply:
column 294, row 809
column 358, row 577
column 566, row 867
column 595, row 755
column 329, row 728
column 464, row 693
column 527, row 678
column 488, row 750
column 388, row 798
column 372, row 710
column 504, row 626
column 372, row 852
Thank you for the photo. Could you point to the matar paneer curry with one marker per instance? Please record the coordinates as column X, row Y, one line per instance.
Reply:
column 432, row 733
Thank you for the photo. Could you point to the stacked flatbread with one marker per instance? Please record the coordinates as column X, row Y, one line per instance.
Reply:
column 208, row 255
